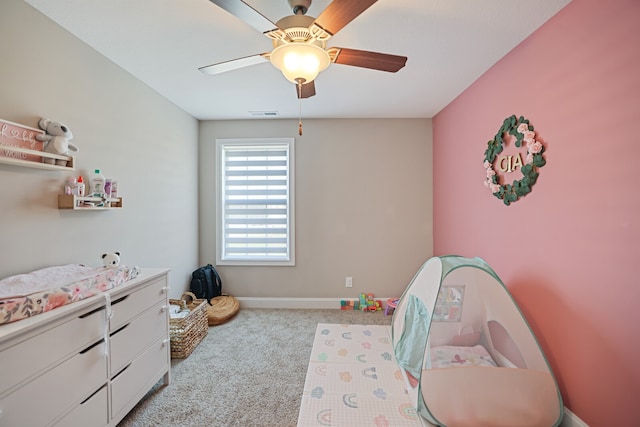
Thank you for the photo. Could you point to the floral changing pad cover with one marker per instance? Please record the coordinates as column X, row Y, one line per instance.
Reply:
column 27, row 295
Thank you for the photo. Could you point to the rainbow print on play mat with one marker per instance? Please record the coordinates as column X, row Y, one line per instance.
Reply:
column 353, row 380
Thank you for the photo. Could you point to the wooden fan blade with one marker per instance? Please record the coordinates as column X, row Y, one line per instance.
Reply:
column 246, row 13
column 366, row 59
column 340, row 12
column 307, row 91
column 234, row 64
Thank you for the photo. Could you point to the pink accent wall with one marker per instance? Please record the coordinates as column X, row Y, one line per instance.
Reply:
column 569, row 251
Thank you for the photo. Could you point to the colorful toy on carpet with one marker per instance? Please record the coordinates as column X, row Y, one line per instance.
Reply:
column 349, row 305
column 365, row 302
column 368, row 303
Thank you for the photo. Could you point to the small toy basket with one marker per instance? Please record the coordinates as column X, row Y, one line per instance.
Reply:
column 186, row 332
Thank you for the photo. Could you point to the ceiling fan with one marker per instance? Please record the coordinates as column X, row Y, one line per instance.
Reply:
column 299, row 42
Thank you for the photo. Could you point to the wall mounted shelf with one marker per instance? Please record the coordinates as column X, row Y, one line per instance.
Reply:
column 66, row 201
column 33, row 159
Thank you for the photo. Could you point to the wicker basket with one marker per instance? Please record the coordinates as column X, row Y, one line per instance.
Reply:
column 187, row 332
column 222, row 308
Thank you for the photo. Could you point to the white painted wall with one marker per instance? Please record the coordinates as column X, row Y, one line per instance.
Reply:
column 363, row 206
column 122, row 127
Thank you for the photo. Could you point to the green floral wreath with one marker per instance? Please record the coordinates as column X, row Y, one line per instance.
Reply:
column 522, row 130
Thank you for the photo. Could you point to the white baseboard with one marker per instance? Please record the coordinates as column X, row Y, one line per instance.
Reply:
column 251, row 302
column 571, row 420
column 258, row 302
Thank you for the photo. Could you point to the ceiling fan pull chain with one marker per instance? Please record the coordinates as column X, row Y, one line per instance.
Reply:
column 300, row 103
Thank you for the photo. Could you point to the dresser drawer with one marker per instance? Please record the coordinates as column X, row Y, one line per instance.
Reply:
column 129, row 341
column 54, row 392
column 35, row 354
column 126, row 308
column 138, row 377
column 93, row 412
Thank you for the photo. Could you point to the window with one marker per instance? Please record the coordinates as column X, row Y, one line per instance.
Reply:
column 255, row 200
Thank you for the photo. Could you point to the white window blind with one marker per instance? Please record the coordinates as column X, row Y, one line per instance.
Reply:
column 255, row 201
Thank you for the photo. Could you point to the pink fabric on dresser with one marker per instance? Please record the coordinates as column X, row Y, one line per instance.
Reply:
column 26, row 295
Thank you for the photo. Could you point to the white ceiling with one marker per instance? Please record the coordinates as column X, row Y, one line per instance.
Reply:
column 449, row 44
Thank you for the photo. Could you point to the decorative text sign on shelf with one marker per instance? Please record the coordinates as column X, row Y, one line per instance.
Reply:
column 15, row 135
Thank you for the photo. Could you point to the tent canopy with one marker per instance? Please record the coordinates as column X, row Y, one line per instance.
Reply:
column 467, row 352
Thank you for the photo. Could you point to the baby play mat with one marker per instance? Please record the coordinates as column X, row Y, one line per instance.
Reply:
column 353, row 380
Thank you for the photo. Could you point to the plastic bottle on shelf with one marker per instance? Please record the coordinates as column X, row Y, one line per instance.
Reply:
column 107, row 187
column 114, row 189
column 79, row 191
column 97, row 183
column 70, row 186
column 107, row 191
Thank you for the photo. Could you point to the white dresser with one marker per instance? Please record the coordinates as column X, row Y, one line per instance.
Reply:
column 73, row 367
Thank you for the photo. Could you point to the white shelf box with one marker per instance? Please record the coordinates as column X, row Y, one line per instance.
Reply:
column 69, row 201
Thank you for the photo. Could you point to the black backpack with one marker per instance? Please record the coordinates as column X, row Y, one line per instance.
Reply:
column 206, row 283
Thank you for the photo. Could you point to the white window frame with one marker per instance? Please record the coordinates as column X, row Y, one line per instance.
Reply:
column 222, row 256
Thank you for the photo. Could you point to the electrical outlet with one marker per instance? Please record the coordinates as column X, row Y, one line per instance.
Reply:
column 348, row 282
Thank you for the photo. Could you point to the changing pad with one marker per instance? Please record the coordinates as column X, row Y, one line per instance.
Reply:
column 26, row 295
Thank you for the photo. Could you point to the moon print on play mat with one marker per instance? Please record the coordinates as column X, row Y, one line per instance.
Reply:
column 370, row 373
column 350, row 400
column 324, row 417
column 407, row 410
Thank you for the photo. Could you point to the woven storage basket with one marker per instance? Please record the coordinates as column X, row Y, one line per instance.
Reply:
column 222, row 308
column 187, row 332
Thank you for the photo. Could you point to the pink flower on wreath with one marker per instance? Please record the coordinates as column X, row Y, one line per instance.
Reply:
column 487, row 164
column 487, row 183
column 494, row 187
column 490, row 172
column 536, row 147
column 523, row 127
column 529, row 136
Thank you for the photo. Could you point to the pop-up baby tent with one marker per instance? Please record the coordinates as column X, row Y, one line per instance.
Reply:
column 467, row 353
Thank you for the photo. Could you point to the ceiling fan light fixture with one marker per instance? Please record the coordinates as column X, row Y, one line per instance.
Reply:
column 300, row 61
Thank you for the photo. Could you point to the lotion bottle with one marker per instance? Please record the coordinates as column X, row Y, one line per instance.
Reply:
column 97, row 183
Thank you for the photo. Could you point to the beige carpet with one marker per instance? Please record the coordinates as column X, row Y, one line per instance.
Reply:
column 247, row 372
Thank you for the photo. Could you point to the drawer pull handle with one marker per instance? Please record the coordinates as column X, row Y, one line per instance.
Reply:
column 91, row 346
column 164, row 290
column 165, row 341
column 119, row 329
column 121, row 371
column 82, row 316
column 164, row 308
column 119, row 300
column 92, row 394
